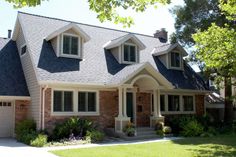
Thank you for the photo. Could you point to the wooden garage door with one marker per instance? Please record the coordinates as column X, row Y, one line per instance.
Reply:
column 6, row 118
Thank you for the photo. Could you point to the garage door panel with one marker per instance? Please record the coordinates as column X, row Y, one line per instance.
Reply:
column 6, row 119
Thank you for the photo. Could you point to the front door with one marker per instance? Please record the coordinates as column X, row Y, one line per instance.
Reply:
column 129, row 109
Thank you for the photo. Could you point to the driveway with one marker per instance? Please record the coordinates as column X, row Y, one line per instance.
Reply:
column 11, row 148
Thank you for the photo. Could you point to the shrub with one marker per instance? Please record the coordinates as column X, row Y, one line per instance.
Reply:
column 160, row 133
column 129, row 129
column 39, row 140
column 74, row 126
column 167, row 130
column 192, row 128
column 159, row 126
column 23, row 128
column 94, row 136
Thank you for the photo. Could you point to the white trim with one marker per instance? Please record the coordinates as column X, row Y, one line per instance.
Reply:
column 173, row 46
column 21, row 55
column 75, row 111
column 145, row 76
column 61, row 54
column 73, row 26
column 16, row 97
column 136, row 53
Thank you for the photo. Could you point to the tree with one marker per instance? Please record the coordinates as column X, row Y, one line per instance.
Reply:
column 195, row 15
column 106, row 9
column 217, row 49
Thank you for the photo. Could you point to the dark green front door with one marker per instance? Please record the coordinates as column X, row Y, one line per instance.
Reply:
column 129, row 109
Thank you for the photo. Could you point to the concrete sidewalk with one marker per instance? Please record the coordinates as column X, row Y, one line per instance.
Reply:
column 11, row 148
column 110, row 144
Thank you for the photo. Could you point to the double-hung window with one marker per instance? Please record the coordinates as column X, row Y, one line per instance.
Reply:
column 173, row 102
column 62, row 101
column 70, row 45
column 130, row 53
column 175, row 59
column 188, row 103
column 87, row 101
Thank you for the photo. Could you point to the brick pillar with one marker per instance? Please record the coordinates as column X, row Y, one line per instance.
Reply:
column 21, row 110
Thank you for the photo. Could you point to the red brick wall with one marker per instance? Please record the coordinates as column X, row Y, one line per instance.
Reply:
column 21, row 110
column 143, row 118
column 108, row 102
column 199, row 102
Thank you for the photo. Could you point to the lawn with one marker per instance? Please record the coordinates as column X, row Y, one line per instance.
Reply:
column 204, row 147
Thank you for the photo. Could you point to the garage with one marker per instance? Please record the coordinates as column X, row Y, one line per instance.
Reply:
column 6, row 118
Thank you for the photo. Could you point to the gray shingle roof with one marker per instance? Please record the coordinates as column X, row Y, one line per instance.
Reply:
column 98, row 66
column 12, row 80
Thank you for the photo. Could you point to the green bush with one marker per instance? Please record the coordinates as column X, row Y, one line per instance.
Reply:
column 192, row 128
column 39, row 140
column 76, row 126
column 23, row 128
column 129, row 129
column 94, row 136
column 160, row 133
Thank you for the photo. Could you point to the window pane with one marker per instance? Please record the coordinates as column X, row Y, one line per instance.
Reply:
column 68, row 101
column 126, row 53
column 173, row 102
column 82, row 101
column 188, row 103
column 91, row 101
column 66, row 44
column 132, row 54
column 74, row 45
column 175, row 59
column 162, row 99
column 23, row 50
column 57, row 101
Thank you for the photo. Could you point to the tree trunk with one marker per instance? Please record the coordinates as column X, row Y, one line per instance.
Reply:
column 228, row 101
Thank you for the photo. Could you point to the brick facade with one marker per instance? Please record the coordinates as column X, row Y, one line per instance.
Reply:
column 199, row 102
column 108, row 101
column 143, row 109
column 21, row 110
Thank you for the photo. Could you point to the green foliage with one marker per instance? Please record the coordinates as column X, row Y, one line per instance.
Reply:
column 160, row 133
column 74, row 125
column 229, row 7
column 39, row 140
column 106, row 9
column 23, row 129
column 159, row 126
column 192, row 128
column 193, row 16
column 167, row 130
column 94, row 136
column 129, row 129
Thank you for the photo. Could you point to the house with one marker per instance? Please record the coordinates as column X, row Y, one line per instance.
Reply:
column 52, row 69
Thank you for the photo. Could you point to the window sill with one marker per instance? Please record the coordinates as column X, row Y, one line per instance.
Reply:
column 126, row 62
column 70, row 56
column 75, row 114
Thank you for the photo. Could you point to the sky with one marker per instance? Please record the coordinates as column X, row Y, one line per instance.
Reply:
column 78, row 10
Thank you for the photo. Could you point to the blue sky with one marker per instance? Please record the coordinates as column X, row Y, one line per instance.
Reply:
column 78, row 10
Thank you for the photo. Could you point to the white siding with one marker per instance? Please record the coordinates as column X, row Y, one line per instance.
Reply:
column 33, row 86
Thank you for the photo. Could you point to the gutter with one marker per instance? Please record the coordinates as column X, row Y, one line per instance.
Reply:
column 43, row 106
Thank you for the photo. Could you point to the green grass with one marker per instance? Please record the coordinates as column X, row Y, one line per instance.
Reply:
column 204, row 147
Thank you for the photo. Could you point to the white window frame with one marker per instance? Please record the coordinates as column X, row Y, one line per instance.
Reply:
column 181, row 111
column 180, row 63
column 21, row 50
column 136, row 53
column 97, row 102
column 75, row 103
column 79, row 46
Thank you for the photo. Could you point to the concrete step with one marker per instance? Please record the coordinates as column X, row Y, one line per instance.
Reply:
column 146, row 133
column 145, row 129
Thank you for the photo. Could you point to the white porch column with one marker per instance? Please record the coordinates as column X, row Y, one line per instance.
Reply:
column 158, row 103
column 155, row 103
column 124, row 102
column 120, row 102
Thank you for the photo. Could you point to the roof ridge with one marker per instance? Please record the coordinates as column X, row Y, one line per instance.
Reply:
column 53, row 18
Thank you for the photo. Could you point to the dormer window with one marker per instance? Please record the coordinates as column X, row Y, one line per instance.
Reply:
column 175, row 59
column 130, row 53
column 70, row 45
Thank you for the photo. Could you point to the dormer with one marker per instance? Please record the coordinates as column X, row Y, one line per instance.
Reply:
column 68, row 41
column 125, row 49
column 171, row 55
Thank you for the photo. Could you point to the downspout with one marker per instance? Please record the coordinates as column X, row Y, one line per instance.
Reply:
column 43, row 105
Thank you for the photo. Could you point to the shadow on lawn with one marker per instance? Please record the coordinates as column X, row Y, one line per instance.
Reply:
column 210, row 147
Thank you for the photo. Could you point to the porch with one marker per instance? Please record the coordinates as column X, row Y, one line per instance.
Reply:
column 139, row 102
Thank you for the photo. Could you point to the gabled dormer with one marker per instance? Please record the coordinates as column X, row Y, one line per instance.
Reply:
column 171, row 55
column 68, row 41
column 126, row 49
